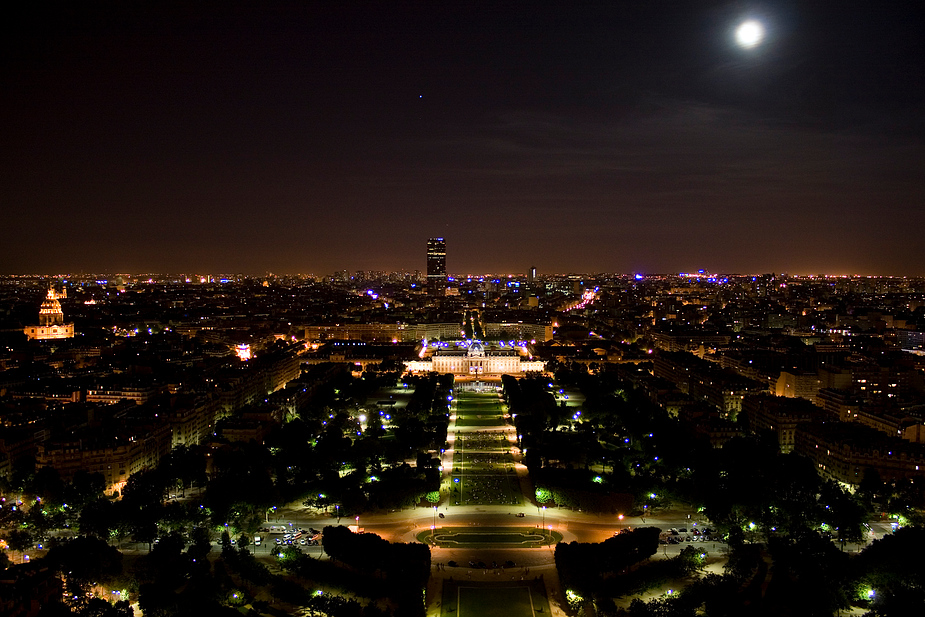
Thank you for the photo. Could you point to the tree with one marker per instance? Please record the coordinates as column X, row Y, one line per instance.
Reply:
column 20, row 540
column 85, row 561
column 47, row 485
column 201, row 543
column 289, row 557
column 843, row 512
column 85, row 488
column 97, row 518
column 871, row 487
column 810, row 568
column 97, row 607
column 892, row 569
column 182, row 467
column 144, row 489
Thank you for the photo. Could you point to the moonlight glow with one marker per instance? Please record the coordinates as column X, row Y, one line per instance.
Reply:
column 749, row 33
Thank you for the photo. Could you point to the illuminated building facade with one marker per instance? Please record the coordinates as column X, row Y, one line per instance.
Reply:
column 387, row 332
column 436, row 267
column 845, row 451
column 475, row 359
column 51, row 319
column 407, row 333
column 116, row 457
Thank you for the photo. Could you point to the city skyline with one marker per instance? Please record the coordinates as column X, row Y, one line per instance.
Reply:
column 189, row 445
column 288, row 137
column 420, row 274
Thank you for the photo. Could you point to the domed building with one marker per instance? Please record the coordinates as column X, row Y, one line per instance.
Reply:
column 51, row 319
column 475, row 358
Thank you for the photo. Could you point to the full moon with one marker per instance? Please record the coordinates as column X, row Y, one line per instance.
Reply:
column 749, row 33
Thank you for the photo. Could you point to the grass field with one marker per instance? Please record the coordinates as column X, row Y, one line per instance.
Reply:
column 499, row 602
column 485, row 420
column 478, row 410
column 472, row 402
column 490, row 537
column 526, row 599
column 483, row 468
column 498, row 488
column 483, row 462
column 493, row 443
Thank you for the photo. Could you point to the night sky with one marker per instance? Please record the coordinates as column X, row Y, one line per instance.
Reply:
column 577, row 137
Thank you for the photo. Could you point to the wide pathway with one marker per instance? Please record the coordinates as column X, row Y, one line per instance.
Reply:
column 482, row 467
column 488, row 485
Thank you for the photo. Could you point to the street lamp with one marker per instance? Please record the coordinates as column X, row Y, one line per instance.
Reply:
column 544, row 521
column 337, row 509
column 435, row 517
column 358, row 524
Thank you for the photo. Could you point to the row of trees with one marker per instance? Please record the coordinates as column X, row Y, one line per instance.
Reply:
column 809, row 577
column 580, row 489
column 305, row 459
column 584, row 566
column 472, row 326
column 757, row 497
column 405, row 567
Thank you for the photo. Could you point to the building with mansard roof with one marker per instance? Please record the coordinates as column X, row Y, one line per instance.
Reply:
column 476, row 358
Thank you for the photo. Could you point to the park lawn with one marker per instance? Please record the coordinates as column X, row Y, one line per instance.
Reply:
column 499, row 602
column 490, row 537
column 466, row 599
column 507, row 493
column 483, row 421
column 482, row 444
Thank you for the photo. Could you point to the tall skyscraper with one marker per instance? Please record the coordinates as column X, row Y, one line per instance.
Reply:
column 436, row 267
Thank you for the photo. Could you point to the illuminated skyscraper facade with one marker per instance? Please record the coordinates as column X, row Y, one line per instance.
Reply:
column 436, row 267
